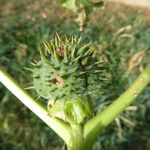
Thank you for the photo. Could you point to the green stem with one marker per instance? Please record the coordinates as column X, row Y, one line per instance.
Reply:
column 78, row 141
column 59, row 126
column 94, row 126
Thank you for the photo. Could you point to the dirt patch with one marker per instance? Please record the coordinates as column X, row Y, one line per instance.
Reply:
column 141, row 3
column 118, row 7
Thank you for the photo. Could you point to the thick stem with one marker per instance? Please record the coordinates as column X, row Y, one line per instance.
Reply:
column 94, row 126
column 78, row 141
column 59, row 126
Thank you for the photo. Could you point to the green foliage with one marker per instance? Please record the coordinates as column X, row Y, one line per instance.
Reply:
column 81, row 8
column 70, row 4
column 88, row 3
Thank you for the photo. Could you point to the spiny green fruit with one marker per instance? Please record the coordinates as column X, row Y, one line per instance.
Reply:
column 66, row 75
column 67, row 70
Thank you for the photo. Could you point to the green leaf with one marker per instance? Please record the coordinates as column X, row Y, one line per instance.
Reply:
column 88, row 3
column 70, row 4
column 62, row 1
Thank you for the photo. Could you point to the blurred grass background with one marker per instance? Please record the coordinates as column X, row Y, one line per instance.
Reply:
column 122, row 37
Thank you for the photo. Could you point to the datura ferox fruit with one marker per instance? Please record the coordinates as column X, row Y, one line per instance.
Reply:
column 66, row 75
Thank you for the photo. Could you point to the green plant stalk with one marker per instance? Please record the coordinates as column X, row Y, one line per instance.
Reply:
column 59, row 126
column 78, row 141
column 94, row 126
column 77, row 138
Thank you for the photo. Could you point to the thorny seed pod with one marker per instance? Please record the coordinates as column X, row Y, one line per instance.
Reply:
column 67, row 70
